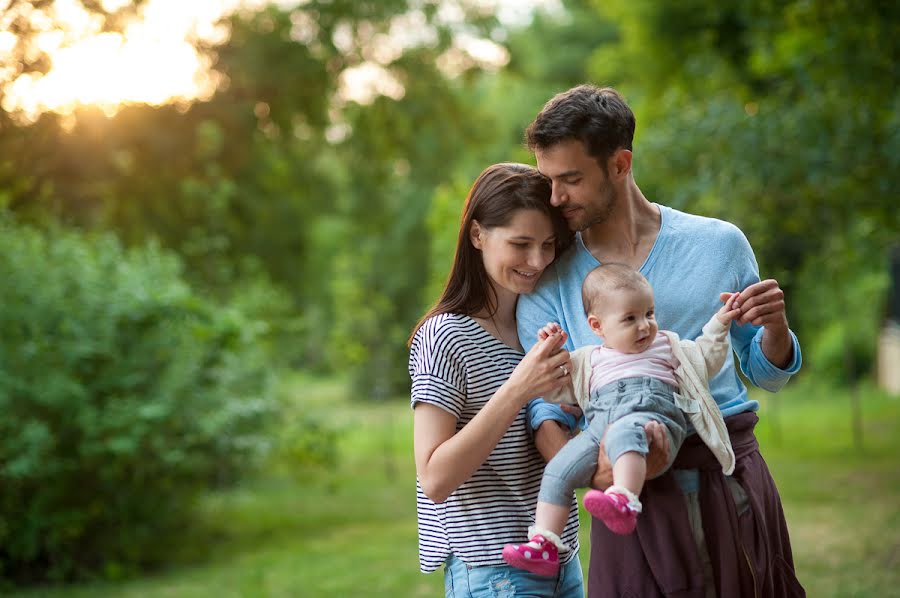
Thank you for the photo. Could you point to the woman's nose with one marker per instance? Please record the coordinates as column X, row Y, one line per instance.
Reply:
column 537, row 259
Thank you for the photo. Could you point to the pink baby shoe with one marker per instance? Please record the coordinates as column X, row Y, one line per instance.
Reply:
column 539, row 556
column 614, row 508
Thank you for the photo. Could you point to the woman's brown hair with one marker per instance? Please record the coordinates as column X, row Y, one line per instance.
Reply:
column 498, row 192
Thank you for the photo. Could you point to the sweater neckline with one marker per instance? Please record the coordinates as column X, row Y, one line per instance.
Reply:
column 645, row 268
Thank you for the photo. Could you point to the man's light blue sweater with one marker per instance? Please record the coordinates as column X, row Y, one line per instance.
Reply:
column 692, row 261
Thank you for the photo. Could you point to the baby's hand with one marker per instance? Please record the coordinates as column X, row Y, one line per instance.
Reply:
column 549, row 329
column 731, row 309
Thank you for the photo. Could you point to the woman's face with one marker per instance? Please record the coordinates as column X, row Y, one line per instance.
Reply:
column 515, row 255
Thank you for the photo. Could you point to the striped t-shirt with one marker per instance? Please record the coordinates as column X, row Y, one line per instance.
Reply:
column 457, row 365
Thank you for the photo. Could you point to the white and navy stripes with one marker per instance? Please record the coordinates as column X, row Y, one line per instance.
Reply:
column 457, row 365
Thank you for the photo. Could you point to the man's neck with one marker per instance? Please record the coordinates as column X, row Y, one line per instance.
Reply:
column 627, row 235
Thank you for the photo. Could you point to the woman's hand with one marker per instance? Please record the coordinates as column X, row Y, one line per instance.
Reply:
column 544, row 368
column 657, row 458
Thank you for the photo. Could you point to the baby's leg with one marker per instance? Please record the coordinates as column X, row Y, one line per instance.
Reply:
column 571, row 468
column 626, row 446
column 550, row 517
column 629, row 471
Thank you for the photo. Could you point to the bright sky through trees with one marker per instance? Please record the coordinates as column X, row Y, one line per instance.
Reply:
column 153, row 60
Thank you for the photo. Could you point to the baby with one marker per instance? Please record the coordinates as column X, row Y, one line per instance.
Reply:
column 638, row 374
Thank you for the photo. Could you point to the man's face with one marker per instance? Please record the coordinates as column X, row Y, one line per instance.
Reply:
column 581, row 188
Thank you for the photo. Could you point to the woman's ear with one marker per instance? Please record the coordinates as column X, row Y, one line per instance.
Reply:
column 476, row 234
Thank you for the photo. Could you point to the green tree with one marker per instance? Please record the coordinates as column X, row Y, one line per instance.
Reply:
column 782, row 118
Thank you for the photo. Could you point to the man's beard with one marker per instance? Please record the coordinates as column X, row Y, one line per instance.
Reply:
column 603, row 212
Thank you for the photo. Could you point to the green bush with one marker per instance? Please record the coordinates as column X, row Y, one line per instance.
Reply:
column 123, row 395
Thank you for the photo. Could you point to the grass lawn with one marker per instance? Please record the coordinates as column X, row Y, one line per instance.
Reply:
column 350, row 530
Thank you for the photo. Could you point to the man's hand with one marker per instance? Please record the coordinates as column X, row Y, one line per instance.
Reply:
column 762, row 304
column 657, row 458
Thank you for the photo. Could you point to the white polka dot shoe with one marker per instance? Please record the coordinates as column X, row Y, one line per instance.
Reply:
column 539, row 556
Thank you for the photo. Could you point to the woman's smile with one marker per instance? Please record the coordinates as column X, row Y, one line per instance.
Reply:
column 515, row 255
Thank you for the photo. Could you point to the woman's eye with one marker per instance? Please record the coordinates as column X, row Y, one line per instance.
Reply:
column 522, row 245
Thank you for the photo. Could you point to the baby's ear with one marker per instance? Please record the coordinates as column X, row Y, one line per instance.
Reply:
column 595, row 324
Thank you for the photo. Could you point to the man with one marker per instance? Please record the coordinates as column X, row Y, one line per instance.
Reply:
column 582, row 140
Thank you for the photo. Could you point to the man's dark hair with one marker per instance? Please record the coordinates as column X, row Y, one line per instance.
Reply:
column 598, row 117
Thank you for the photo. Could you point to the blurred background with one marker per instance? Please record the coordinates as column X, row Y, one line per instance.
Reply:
column 219, row 221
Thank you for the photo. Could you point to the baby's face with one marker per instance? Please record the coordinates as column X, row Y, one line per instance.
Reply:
column 628, row 320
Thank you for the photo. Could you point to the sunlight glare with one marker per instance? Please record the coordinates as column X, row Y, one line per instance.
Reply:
column 152, row 61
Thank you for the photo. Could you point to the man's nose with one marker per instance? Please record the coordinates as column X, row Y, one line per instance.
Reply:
column 556, row 195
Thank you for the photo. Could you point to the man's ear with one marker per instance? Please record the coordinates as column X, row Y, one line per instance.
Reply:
column 620, row 163
column 595, row 324
column 476, row 234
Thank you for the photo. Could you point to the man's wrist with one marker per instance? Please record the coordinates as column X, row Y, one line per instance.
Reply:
column 777, row 345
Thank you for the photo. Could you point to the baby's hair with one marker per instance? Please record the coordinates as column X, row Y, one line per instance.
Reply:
column 606, row 279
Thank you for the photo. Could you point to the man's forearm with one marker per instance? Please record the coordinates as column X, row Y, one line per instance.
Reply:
column 549, row 438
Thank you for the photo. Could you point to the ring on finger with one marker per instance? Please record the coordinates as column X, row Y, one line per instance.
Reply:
column 564, row 369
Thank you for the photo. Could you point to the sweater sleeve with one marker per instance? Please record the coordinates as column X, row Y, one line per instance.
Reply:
column 747, row 339
column 533, row 311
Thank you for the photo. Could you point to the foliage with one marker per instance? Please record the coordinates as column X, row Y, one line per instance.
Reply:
column 781, row 117
column 840, row 507
column 124, row 394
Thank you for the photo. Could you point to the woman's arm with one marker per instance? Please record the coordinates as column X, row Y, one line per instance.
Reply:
column 445, row 458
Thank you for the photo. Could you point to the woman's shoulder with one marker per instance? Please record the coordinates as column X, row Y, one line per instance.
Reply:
column 443, row 325
column 442, row 343
column 443, row 332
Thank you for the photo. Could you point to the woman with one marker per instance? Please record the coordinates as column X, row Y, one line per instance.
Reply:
column 478, row 469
